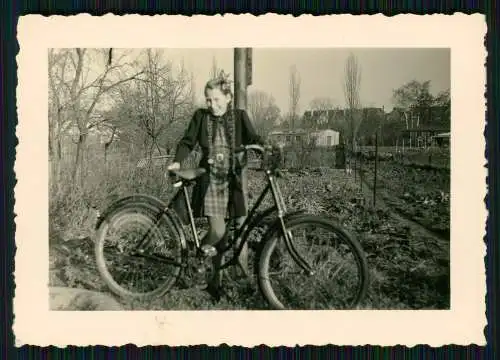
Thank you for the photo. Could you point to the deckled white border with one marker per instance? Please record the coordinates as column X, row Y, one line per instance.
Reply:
column 463, row 324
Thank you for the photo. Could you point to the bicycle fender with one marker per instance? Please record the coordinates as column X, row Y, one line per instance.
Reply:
column 152, row 203
column 129, row 200
column 297, row 212
column 276, row 225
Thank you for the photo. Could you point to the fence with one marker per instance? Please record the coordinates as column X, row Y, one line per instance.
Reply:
column 414, row 183
column 294, row 157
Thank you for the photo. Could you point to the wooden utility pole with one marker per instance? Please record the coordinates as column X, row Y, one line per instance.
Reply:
column 242, row 76
column 375, row 172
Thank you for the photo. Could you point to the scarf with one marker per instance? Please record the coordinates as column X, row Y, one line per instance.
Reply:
column 228, row 123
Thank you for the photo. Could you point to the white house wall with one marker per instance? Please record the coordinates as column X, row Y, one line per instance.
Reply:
column 322, row 137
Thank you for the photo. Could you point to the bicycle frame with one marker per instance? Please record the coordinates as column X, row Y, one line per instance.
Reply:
column 239, row 234
column 240, row 231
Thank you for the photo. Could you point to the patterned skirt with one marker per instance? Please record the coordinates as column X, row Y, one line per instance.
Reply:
column 217, row 195
column 216, row 200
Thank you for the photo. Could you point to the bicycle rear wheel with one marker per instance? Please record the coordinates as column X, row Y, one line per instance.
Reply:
column 145, row 274
column 340, row 278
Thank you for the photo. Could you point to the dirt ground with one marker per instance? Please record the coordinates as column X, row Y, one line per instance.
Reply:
column 409, row 265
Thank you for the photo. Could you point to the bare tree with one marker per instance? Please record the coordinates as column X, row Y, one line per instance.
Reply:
column 192, row 88
column 152, row 104
column 151, row 117
column 108, row 143
column 322, row 104
column 320, row 107
column 59, row 122
column 78, row 82
column 352, row 81
column 263, row 111
column 294, row 90
column 180, row 95
column 214, row 71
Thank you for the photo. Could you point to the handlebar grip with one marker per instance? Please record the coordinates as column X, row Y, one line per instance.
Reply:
column 239, row 149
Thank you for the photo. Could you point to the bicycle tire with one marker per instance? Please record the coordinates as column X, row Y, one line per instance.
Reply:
column 148, row 212
column 261, row 223
column 263, row 258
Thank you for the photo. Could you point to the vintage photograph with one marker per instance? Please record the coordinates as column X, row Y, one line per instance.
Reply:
column 249, row 178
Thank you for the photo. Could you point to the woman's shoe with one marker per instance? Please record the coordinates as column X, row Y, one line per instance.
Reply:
column 215, row 291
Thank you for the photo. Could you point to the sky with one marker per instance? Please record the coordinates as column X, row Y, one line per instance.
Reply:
column 322, row 71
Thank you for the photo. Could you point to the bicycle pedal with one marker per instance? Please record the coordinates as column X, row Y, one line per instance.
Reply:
column 208, row 250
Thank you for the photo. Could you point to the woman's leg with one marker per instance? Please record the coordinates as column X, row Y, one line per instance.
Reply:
column 243, row 257
column 216, row 232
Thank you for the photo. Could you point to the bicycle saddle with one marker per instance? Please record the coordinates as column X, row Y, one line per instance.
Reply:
column 189, row 174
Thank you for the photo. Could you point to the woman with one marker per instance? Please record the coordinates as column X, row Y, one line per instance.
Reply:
column 222, row 190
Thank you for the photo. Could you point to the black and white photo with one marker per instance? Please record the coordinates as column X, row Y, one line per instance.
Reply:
column 196, row 185
column 361, row 139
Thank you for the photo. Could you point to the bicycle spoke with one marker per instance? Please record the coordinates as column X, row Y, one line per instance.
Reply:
column 337, row 280
column 138, row 273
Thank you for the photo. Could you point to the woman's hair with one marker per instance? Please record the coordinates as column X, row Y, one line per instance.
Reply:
column 221, row 82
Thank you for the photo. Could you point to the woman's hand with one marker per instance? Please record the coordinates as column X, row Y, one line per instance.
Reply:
column 174, row 166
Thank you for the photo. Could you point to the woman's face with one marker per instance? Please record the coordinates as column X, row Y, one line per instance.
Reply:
column 217, row 101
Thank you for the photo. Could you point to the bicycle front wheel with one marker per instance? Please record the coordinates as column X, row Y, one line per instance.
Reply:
column 339, row 278
column 132, row 272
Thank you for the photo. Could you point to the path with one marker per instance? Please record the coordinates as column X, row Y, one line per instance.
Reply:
column 422, row 236
column 368, row 194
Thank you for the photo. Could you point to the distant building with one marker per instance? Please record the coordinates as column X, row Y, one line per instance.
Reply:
column 300, row 137
column 326, row 137
column 423, row 137
column 442, row 139
column 324, row 119
column 290, row 137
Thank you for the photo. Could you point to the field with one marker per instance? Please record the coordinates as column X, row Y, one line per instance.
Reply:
column 405, row 236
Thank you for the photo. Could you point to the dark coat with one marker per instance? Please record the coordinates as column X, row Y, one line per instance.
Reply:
column 197, row 133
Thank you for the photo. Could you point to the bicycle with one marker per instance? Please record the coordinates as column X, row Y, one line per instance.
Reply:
column 185, row 252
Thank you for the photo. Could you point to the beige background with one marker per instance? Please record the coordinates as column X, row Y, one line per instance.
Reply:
column 463, row 324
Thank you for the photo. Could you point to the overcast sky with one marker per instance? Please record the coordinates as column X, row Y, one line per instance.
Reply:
column 322, row 71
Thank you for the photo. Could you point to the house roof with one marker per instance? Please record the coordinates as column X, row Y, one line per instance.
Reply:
column 324, row 130
column 289, row 132
column 443, row 135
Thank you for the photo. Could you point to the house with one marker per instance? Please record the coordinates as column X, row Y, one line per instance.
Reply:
column 300, row 137
column 324, row 119
column 442, row 139
column 326, row 137
column 336, row 119
column 290, row 137
column 423, row 136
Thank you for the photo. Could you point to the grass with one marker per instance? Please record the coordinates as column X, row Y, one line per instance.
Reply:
column 408, row 269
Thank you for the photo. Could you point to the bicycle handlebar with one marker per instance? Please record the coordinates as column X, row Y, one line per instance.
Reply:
column 259, row 148
column 256, row 147
column 271, row 155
